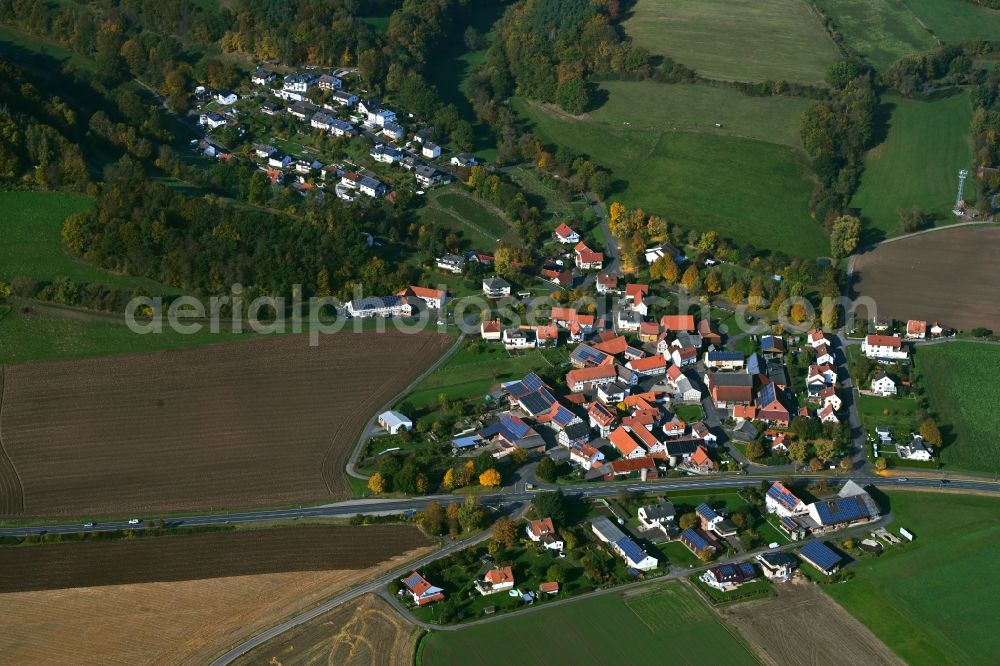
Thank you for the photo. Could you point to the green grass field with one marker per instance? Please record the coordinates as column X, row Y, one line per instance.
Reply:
column 932, row 601
column 901, row 418
column 10, row 38
column 960, row 380
column 956, row 20
column 747, row 190
column 475, row 215
column 917, row 164
column 697, row 108
column 882, row 31
column 738, row 40
column 37, row 336
column 469, row 374
column 607, row 629
column 31, row 228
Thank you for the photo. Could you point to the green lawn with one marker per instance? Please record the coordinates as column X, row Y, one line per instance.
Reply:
column 32, row 336
column 471, row 374
column 31, row 228
column 882, row 31
column 747, row 190
column 901, row 418
column 957, row 20
column 932, row 600
column 606, row 629
column 474, row 214
column 12, row 38
column 961, row 384
column 736, row 40
column 918, row 163
column 645, row 105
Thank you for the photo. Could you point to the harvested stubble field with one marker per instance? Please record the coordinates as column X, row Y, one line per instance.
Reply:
column 212, row 555
column 256, row 423
column 947, row 276
column 366, row 631
column 823, row 633
column 194, row 620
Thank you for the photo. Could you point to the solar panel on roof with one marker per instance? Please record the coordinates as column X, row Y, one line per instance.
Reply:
column 706, row 512
column 766, row 395
column 412, row 580
column 841, row 510
column 535, row 403
column 747, row 570
column 695, row 539
column 788, row 523
column 820, row 554
column 630, row 549
column 563, row 416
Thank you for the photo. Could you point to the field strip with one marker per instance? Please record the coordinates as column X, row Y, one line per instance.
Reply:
column 455, row 216
column 11, row 488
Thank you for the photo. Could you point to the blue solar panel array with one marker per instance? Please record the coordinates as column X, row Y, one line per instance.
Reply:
column 514, row 426
column 706, row 512
column 770, row 342
column 841, row 510
column 753, row 364
column 766, row 395
column 820, row 554
column 412, row 580
column 782, row 495
column 630, row 549
column 724, row 356
column 698, row 541
column 563, row 416
column 529, row 384
column 587, row 355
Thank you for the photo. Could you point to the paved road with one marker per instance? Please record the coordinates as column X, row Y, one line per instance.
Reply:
column 613, row 266
column 507, row 497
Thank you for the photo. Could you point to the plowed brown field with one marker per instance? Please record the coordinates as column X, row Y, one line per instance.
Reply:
column 947, row 276
column 213, row 555
column 187, row 622
column 256, row 423
column 802, row 625
column 363, row 632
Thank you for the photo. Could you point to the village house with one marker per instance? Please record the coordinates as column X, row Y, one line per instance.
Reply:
column 729, row 389
column 883, row 385
column 601, row 418
column 421, row 589
column 427, row 176
column 709, row 336
column 464, row 160
column 828, row 396
column 226, row 98
column 769, row 407
column 678, row 322
column 261, row 76
column 589, row 378
column 386, row 154
column 519, row 338
column 701, row 431
column 884, row 347
column 626, row 444
column 622, row 545
column 657, row 516
column 490, row 330
column 916, row 329
column 728, row 577
column 607, row 284
column 684, row 356
column 587, row 259
column 824, row 356
column 627, row 321
column 329, row 82
column 777, row 565
column 816, row 338
column 827, row 414
column 393, row 131
column 371, row 187
column 430, row 150
column 343, row 98
column 452, row 263
column 433, row 298
column 634, row 295
column 339, row 127
column 379, row 306
column 298, row 82
column 496, row 580
column 211, row 120
column 496, row 287
column 612, row 393
column 655, row 252
column 586, row 456
column 680, row 386
column 544, row 532
column 564, row 234
column 512, row 433
column 917, row 449
column 782, row 502
column 724, row 360
column 650, row 366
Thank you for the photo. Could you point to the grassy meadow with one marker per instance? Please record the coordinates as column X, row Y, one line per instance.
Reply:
column 882, row 31
column 917, row 164
column 31, row 228
column 739, row 40
column 961, row 386
column 956, row 20
column 929, row 600
column 608, row 629
column 748, row 190
column 40, row 336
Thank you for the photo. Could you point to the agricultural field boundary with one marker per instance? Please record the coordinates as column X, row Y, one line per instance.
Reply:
column 850, row 265
column 12, row 501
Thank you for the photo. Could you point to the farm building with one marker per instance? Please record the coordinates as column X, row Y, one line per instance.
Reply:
column 821, row 556
column 393, row 422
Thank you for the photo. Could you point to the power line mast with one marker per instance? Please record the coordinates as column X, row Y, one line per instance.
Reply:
column 962, row 175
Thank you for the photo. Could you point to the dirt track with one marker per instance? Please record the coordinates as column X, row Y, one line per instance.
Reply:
column 947, row 276
column 802, row 625
column 256, row 423
column 364, row 632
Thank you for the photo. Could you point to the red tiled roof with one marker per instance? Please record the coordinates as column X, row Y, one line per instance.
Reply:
column 623, row 465
column 916, row 327
column 614, row 346
column 548, row 588
column 590, row 374
column 500, row 575
column 563, row 314
column 601, row 414
column 422, row 292
column 648, row 363
column 674, row 372
column 623, row 441
column 883, row 341
column 636, row 292
column 700, row 457
column 645, row 436
column 678, row 322
column 491, row 326
column 564, row 230
column 649, row 328
column 541, row 527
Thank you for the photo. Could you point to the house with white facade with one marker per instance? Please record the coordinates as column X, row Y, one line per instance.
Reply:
column 882, row 384
column 884, row 347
